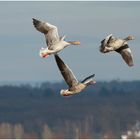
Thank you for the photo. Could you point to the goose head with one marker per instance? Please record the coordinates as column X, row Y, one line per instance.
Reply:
column 65, row 92
column 43, row 53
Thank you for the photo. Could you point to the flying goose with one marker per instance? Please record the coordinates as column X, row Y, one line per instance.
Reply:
column 53, row 41
column 74, row 85
column 111, row 43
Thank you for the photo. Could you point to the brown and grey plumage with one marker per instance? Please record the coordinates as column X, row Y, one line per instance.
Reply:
column 74, row 85
column 53, row 41
column 111, row 43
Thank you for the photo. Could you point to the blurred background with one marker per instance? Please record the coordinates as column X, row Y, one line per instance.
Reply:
column 30, row 104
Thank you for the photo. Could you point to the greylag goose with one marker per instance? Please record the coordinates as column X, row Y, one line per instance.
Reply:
column 111, row 43
column 53, row 41
column 74, row 85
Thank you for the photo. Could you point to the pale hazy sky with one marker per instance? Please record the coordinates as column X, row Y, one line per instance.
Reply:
column 88, row 22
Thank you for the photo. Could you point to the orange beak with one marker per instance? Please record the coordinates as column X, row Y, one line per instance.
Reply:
column 45, row 55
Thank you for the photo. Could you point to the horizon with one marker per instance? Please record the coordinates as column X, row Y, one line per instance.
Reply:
column 35, row 83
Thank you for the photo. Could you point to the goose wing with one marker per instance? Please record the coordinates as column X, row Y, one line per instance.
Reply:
column 126, row 54
column 66, row 72
column 50, row 31
column 105, row 41
column 88, row 79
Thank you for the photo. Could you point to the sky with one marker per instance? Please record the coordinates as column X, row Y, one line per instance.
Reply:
column 88, row 22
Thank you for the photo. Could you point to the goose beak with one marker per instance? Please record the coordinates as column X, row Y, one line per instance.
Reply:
column 44, row 55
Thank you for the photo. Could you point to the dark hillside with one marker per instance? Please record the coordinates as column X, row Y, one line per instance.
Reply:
column 107, row 109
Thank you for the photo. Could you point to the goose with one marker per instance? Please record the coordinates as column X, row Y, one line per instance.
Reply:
column 54, row 43
column 111, row 43
column 74, row 85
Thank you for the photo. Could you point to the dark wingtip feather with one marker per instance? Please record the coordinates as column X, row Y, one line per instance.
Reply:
column 36, row 22
column 91, row 76
column 131, row 65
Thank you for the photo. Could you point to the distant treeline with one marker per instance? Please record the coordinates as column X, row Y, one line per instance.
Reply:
column 105, row 110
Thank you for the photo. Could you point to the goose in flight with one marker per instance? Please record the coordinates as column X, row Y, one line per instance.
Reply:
column 53, row 41
column 74, row 85
column 111, row 43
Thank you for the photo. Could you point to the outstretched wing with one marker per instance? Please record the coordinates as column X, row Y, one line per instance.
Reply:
column 88, row 79
column 66, row 72
column 50, row 31
column 126, row 55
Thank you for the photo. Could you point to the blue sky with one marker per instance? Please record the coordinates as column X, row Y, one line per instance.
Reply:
column 88, row 22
